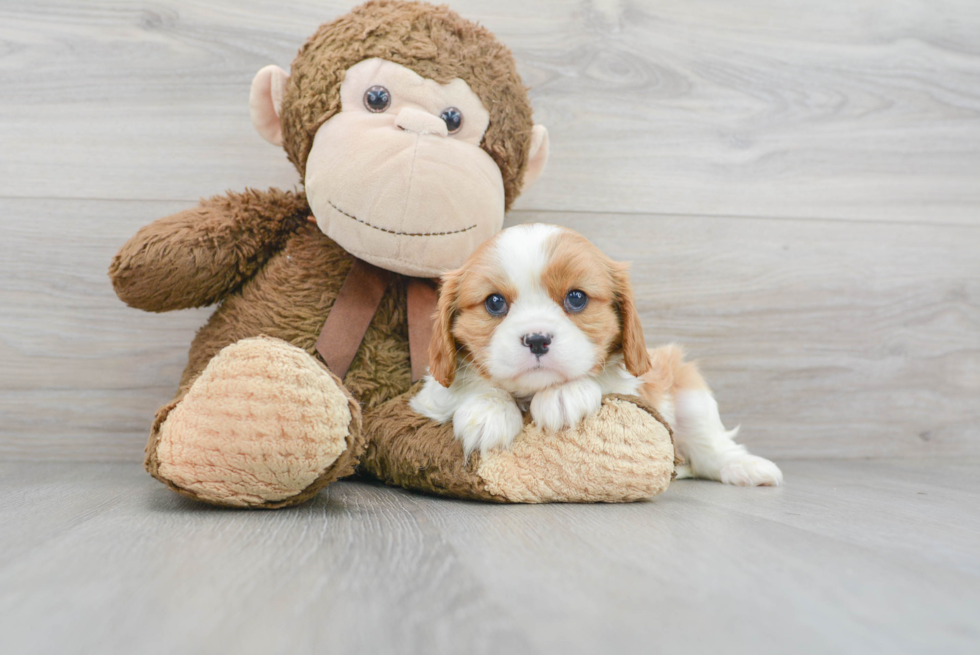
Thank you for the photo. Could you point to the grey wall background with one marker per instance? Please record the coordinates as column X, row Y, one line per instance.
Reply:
column 797, row 184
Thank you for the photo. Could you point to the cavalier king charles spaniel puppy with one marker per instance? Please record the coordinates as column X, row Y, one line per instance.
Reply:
column 540, row 319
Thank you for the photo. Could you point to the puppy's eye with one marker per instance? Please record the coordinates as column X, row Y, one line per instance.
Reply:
column 453, row 118
column 496, row 304
column 575, row 301
column 377, row 99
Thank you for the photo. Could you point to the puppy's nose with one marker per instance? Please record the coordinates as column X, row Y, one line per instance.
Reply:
column 538, row 343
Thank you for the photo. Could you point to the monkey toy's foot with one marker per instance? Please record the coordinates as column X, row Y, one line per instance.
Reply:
column 265, row 425
column 623, row 453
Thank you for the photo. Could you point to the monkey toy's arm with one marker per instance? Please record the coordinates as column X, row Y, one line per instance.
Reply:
column 196, row 257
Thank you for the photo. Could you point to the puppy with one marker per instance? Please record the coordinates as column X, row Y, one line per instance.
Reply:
column 539, row 318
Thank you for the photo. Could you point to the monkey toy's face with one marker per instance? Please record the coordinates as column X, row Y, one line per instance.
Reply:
column 399, row 170
column 398, row 176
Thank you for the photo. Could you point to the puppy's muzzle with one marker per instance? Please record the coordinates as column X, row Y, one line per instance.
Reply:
column 538, row 343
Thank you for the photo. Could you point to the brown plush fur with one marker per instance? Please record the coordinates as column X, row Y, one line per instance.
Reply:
column 635, row 461
column 296, row 273
column 436, row 43
column 274, row 274
column 196, row 257
column 410, row 451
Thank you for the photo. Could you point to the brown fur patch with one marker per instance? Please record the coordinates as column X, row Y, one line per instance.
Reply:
column 411, row 451
column 195, row 257
column 633, row 344
column 276, row 274
column 669, row 372
column 574, row 263
column 442, row 347
column 463, row 325
column 609, row 320
column 633, row 462
column 474, row 330
column 474, row 325
column 433, row 41
column 290, row 298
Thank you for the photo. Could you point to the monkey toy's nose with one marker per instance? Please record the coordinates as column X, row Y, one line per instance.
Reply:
column 415, row 120
column 538, row 343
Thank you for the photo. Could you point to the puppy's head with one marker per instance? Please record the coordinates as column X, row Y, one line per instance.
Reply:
column 535, row 306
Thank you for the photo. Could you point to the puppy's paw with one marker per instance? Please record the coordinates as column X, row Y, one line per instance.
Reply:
column 751, row 471
column 566, row 405
column 487, row 421
column 683, row 472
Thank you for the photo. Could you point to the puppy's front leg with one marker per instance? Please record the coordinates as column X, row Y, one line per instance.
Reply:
column 487, row 420
column 566, row 405
column 484, row 416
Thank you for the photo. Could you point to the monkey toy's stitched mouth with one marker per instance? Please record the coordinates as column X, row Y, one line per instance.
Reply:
column 404, row 234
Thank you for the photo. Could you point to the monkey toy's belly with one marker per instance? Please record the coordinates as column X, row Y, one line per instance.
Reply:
column 290, row 299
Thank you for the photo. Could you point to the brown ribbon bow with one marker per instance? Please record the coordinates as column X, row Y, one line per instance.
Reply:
column 355, row 307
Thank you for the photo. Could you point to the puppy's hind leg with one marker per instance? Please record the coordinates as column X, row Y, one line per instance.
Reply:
column 710, row 449
column 700, row 437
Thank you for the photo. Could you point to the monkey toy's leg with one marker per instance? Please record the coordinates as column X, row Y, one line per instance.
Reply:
column 621, row 454
column 264, row 425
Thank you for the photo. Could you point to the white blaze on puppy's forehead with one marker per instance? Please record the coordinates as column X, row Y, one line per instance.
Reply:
column 522, row 256
column 522, row 251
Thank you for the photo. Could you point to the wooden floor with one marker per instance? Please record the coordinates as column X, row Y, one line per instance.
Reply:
column 851, row 557
column 797, row 184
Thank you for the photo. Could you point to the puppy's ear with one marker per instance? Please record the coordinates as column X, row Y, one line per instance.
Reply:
column 442, row 347
column 635, row 354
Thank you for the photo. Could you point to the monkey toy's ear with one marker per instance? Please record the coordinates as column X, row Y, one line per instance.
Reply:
column 539, row 155
column 265, row 102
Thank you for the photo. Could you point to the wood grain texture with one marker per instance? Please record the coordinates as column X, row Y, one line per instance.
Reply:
column 798, row 187
column 821, row 338
column 861, row 109
column 851, row 557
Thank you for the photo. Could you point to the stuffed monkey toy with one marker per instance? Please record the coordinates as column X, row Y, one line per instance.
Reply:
column 412, row 132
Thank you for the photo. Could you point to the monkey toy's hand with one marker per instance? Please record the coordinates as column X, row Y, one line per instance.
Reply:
column 196, row 257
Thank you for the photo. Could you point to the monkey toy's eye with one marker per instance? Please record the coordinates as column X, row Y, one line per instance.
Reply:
column 496, row 304
column 575, row 301
column 453, row 118
column 377, row 99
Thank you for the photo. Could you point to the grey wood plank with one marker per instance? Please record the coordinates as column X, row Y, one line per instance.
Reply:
column 687, row 576
column 821, row 341
column 845, row 109
column 81, row 374
column 39, row 503
column 913, row 509
column 844, row 339
column 157, row 574
column 367, row 569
